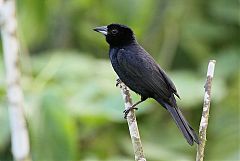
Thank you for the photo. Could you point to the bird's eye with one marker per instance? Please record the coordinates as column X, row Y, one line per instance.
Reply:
column 114, row 31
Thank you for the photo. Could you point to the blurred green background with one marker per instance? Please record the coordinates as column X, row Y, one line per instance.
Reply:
column 74, row 110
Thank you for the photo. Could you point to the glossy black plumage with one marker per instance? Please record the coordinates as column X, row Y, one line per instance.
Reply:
column 139, row 71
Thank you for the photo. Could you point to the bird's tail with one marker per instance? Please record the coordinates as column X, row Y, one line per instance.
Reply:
column 182, row 123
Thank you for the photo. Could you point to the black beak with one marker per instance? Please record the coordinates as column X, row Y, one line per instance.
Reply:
column 102, row 29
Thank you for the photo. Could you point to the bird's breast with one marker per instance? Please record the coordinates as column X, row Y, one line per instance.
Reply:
column 130, row 81
column 113, row 58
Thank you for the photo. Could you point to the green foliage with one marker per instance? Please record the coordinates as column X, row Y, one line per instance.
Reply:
column 74, row 110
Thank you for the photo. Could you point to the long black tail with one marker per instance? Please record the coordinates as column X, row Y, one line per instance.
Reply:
column 182, row 123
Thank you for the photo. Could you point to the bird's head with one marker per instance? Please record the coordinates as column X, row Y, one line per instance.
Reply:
column 117, row 34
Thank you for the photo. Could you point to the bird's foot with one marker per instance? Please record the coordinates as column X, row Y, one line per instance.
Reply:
column 118, row 82
column 128, row 110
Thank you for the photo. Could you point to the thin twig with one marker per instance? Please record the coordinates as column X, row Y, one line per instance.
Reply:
column 19, row 132
column 205, row 113
column 132, row 123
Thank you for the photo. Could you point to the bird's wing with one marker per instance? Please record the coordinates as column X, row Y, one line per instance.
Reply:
column 169, row 82
column 146, row 70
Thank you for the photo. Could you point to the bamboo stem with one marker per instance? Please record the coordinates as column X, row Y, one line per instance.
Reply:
column 205, row 113
column 132, row 123
column 19, row 132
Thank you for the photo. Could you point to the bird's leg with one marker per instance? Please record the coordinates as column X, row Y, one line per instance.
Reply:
column 133, row 107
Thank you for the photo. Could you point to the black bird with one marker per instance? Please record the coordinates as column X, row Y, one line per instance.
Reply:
column 140, row 72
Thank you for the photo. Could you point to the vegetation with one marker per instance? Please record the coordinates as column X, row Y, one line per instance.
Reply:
column 74, row 110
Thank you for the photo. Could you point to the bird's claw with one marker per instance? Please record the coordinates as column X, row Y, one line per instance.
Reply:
column 128, row 110
column 118, row 82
